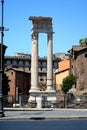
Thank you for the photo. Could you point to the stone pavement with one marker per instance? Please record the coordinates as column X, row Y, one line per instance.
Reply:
column 38, row 114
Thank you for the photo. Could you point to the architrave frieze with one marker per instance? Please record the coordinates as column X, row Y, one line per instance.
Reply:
column 41, row 24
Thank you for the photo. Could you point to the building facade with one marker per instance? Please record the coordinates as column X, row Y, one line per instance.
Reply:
column 62, row 72
column 20, row 63
column 78, row 65
column 19, row 83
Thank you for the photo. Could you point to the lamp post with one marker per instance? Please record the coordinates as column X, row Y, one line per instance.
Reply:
column 2, row 51
column 1, row 63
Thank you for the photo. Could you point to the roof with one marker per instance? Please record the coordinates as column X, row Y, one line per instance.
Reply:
column 77, row 48
column 17, row 69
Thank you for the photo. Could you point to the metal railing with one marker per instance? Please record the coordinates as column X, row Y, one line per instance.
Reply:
column 22, row 101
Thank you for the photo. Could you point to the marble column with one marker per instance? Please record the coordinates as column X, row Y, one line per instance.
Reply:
column 49, row 63
column 34, row 63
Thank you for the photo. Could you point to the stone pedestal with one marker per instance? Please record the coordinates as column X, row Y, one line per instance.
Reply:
column 39, row 102
column 38, row 98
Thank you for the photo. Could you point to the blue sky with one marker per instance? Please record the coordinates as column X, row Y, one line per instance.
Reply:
column 69, row 24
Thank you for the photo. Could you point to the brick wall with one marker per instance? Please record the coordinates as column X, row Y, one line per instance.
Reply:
column 79, row 68
column 20, row 80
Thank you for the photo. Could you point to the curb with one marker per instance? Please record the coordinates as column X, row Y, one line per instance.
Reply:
column 41, row 118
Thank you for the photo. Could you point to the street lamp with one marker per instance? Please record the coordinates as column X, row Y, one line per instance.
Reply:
column 1, row 61
column 2, row 29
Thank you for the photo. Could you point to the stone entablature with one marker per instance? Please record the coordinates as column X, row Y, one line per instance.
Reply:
column 41, row 24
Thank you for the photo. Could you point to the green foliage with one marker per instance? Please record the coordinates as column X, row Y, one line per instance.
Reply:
column 67, row 83
column 83, row 41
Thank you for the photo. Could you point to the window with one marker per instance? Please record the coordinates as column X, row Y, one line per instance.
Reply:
column 41, row 79
column 8, row 62
column 14, row 62
column 20, row 63
column 12, row 73
column 86, row 55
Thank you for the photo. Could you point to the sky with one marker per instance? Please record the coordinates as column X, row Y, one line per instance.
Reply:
column 69, row 18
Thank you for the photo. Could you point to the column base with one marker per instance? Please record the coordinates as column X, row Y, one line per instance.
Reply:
column 32, row 101
column 50, row 89
column 42, row 99
column 35, row 99
column 2, row 114
column 33, row 90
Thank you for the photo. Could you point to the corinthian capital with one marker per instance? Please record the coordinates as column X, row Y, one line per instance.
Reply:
column 50, row 35
column 34, row 36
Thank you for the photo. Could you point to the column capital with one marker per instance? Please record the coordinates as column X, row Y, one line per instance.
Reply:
column 34, row 36
column 50, row 35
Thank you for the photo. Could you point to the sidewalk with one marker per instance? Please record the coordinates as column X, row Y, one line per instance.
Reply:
column 38, row 114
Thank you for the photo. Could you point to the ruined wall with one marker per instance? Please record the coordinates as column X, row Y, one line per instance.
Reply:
column 79, row 68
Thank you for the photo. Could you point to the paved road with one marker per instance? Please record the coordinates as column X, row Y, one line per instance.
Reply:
column 45, row 114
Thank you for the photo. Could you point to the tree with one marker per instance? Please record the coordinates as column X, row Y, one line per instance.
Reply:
column 83, row 41
column 67, row 85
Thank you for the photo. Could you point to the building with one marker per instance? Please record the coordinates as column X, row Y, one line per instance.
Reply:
column 19, row 83
column 62, row 56
column 78, row 65
column 19, row 65
column 62, row 72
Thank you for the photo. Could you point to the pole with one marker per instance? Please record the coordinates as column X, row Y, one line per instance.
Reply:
column 1, row 64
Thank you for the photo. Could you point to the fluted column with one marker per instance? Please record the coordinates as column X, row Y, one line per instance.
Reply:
column 34, row 63
column 49, row 63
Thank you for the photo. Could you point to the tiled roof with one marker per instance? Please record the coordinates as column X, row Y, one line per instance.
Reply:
column 78, row 48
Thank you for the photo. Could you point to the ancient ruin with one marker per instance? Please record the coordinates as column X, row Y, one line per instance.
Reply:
column 41, row 25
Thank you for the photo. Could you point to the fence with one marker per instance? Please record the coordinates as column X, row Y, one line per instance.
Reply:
column 9, row 101
column 70, row 102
